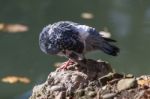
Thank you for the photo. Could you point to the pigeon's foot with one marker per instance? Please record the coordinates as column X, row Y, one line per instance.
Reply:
column 65, row 65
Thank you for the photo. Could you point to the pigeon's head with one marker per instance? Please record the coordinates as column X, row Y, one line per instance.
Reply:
column 47, row 41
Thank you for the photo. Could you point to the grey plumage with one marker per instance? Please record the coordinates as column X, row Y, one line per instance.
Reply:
column 73, row 40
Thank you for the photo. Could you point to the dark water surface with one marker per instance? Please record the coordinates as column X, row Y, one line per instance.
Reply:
column 127, row 20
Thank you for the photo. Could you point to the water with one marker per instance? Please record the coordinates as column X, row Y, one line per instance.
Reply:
column 127, row 20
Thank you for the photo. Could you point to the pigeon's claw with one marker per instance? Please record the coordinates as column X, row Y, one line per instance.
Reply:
column 65, row 65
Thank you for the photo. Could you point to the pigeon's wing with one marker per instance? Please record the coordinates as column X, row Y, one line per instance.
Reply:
column 96, row 42
column 71, row 41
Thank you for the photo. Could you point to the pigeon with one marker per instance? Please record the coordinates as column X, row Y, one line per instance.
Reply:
column 74, row 40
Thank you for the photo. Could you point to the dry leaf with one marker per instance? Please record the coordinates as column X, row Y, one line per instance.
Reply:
column 10, row 79
column 87, row 15
column 105, row 34
column 13, row 28
column 144, row 81
column 15, row 79
column 24, row 80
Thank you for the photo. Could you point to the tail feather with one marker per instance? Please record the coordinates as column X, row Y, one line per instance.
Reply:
column 110, row 49
column 109, row 40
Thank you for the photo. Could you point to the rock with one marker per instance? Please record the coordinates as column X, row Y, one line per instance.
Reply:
column 61, row 95
column 143, row 94
column 109, row 96
column 92, row 94
column 57, row 88
column 93, row 80
column 104, row 79
column 38, row 94
column 126, row 83
column 129, row 76
column 144, row 81
column 73, row 80
column 80, row 92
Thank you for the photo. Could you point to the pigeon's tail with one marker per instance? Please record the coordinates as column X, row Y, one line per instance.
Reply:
column 109, row 48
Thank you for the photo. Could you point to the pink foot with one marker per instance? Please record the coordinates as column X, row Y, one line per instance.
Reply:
column 65, row 65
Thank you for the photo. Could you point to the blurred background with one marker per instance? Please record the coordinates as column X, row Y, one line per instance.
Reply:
column 23, row 65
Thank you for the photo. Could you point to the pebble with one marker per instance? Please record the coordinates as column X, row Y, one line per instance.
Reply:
column 92, row 94
column 129, row 76
column 57, row 88
column 61, row 95
column 109, row 96
column 80, row 92
column 124, row 84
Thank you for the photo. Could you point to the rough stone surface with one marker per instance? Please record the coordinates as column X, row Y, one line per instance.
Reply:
column 127, row 83
column 93, row 80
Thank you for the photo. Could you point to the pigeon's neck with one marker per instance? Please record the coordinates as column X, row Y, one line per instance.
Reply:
column 83, row 31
